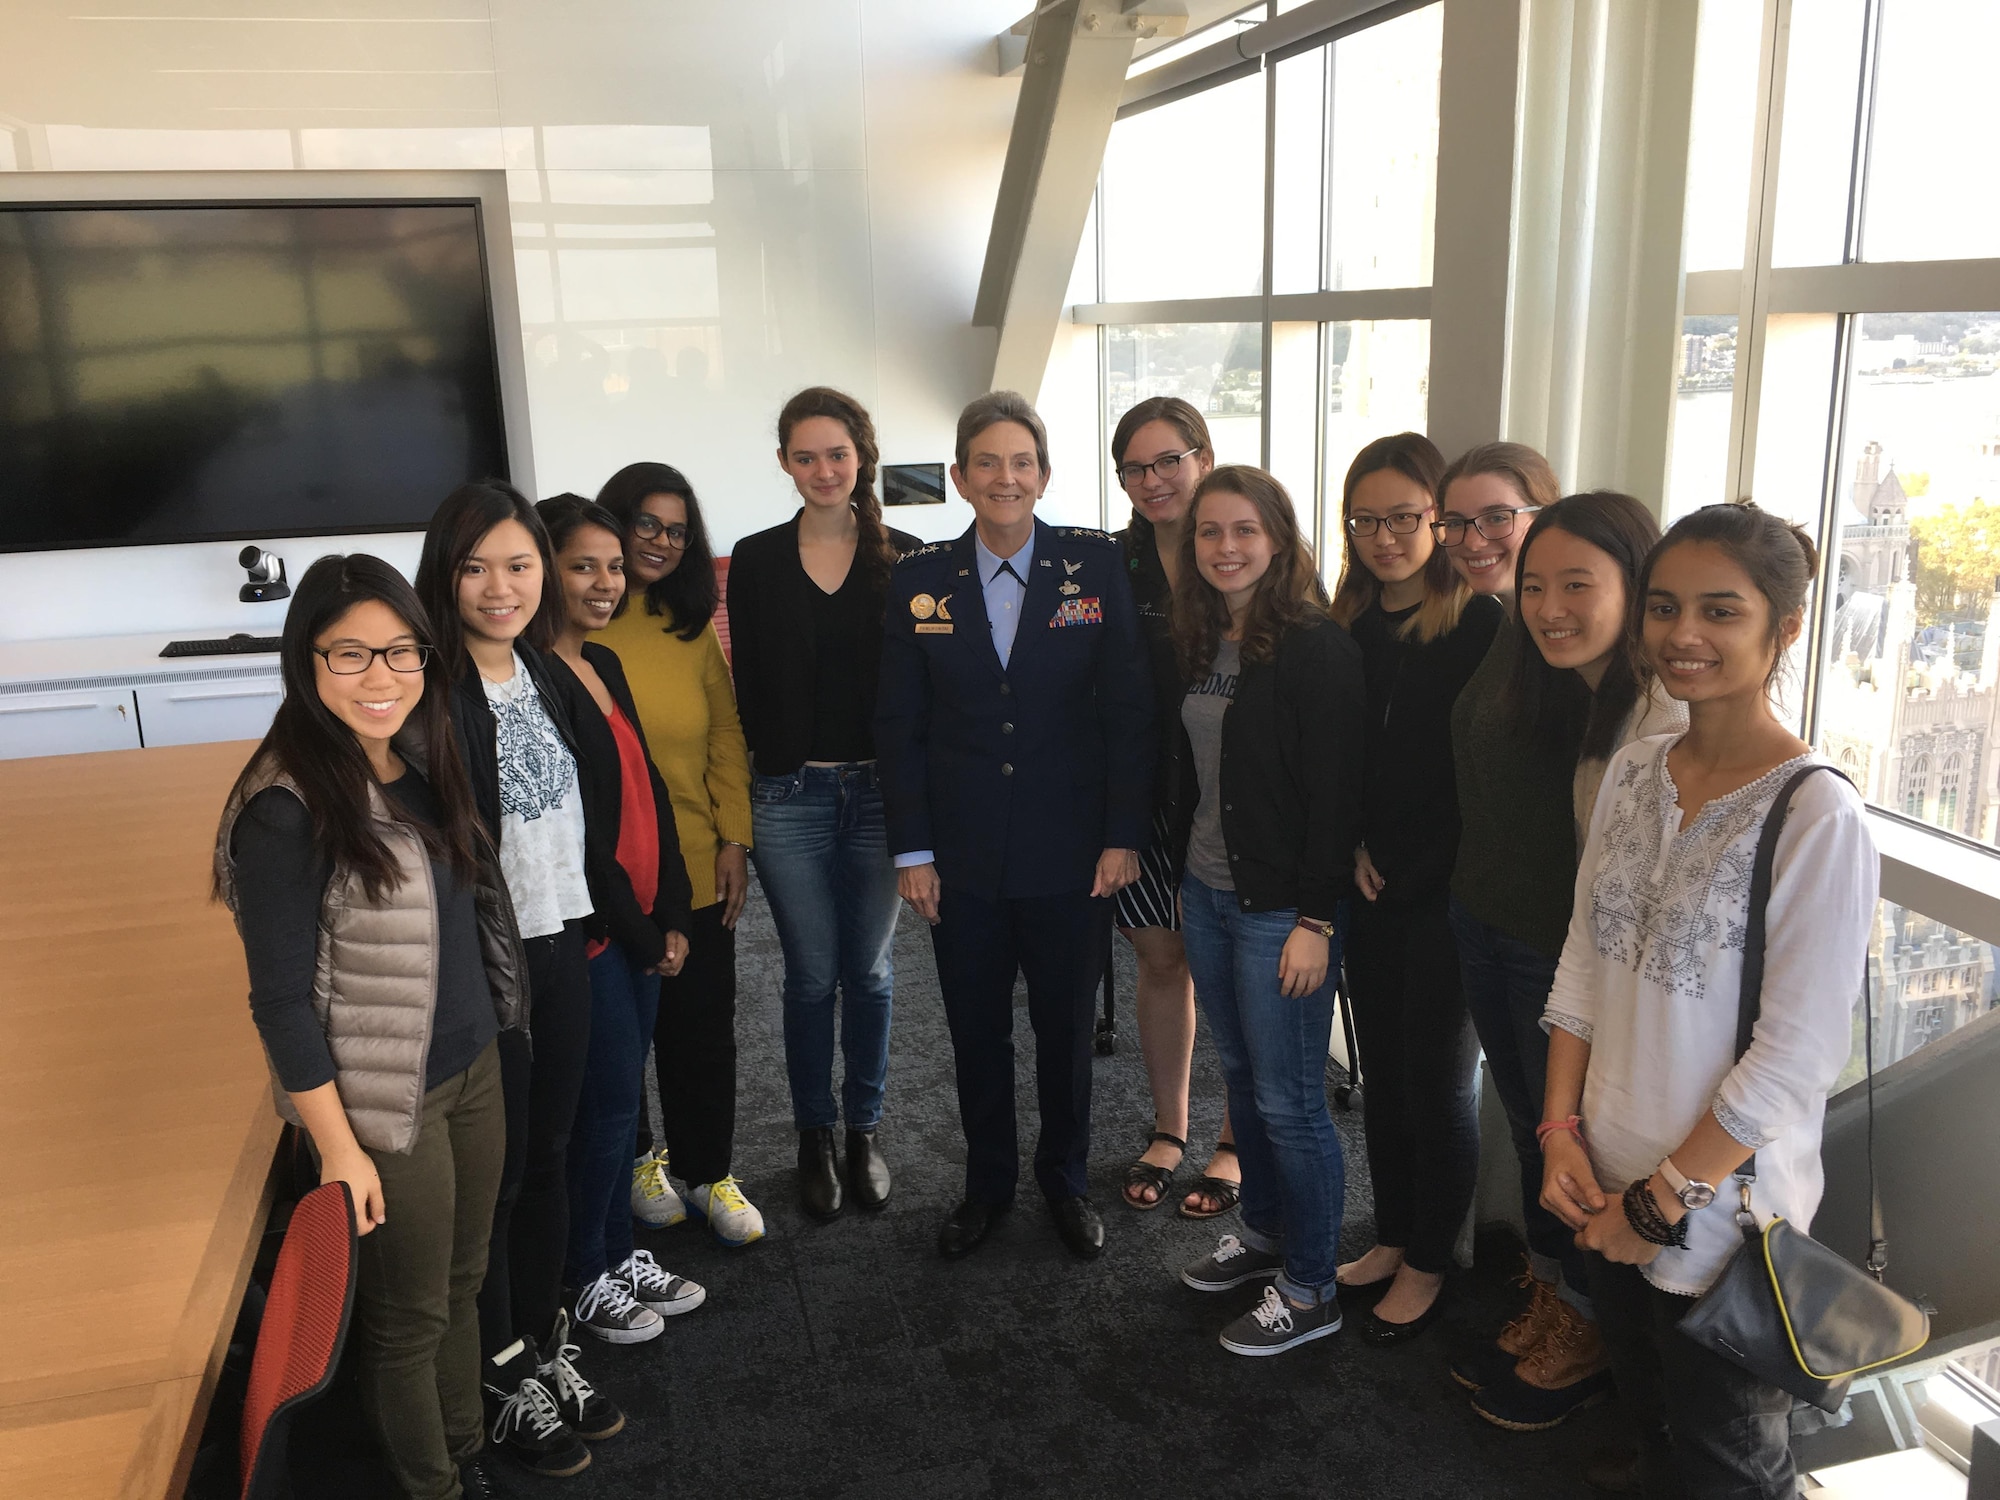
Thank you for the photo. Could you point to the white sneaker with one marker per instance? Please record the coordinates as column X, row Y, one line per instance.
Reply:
column 608, row 1309
column 732, row 1217
column 654, row 1201
column 658, row 1288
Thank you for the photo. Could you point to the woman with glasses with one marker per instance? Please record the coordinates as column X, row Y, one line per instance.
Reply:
column 805, row 627
column 1163, row 452
column 487, row 576
column 636, row 936
column 673, row 659
column 363, row 888
column 1422, row 632
column 1511, row 888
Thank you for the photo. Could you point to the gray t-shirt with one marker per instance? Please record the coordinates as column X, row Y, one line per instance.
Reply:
column 1202, row 712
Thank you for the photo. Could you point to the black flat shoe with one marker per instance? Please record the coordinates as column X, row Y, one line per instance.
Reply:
column 1363, row 1293
column 1081, row 1229
column 968, row 1227
column 867, row 1172
column 1383, row 1334
column 819, row 1174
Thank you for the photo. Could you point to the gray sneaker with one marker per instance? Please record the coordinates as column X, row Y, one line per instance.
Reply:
column 1230, row 1264
column 1274, row 1325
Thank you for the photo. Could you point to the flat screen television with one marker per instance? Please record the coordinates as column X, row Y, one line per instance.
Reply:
column 177, row 372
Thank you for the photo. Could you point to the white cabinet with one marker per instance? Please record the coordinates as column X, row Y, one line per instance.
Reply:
column 66, row 721
column 197, row 713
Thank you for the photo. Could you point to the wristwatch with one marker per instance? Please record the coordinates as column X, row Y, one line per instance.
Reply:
column 1693, row 1195
column 1324, row 929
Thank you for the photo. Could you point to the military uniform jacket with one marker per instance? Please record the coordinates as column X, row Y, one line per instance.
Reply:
column 1016, row 778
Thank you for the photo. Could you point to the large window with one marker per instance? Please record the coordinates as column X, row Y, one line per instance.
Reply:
column 1851, row 380
column 1265, row 253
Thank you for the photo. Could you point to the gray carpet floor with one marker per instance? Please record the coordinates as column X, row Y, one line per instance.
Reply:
column 847, row 1360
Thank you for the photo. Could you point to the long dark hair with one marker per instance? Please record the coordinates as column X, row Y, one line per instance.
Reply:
column 324, row 758
column 456, row 530
column 876, row 554
column 1417, row 459
column 1553, row 706
column 1288, row 596
column 686, row 598
column 1779, row 557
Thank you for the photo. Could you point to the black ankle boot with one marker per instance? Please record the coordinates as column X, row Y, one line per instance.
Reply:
column 867, row 1172
column 819, row 1173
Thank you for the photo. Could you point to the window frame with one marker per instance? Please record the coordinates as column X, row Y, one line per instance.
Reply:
column 1932, row 869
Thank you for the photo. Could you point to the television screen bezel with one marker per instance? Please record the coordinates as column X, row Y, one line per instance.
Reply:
column 427, row 200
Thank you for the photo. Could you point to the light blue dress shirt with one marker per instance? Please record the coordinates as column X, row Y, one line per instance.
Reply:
column 1004, row 594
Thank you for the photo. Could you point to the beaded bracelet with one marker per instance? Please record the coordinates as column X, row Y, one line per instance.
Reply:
column 1642, row 1212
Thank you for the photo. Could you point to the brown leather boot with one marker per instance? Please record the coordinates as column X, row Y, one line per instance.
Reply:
column 1485, row 1362
column 1565, row 1372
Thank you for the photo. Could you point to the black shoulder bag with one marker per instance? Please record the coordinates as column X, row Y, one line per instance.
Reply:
column 1786, row 1308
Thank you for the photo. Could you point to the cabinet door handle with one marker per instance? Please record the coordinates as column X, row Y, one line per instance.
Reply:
column 51, row 708
column 242, row 692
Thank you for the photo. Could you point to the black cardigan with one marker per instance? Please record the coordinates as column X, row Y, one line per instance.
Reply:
column 1291, row 774
column 1409, row 818
column 618, row 913
column 1154, row 596
column 772, row 650
column 568, row 703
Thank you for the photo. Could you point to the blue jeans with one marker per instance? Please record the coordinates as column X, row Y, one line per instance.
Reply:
column 1507, row 986
column 624, row 1001
column 1273, row 1053
column 822, row 855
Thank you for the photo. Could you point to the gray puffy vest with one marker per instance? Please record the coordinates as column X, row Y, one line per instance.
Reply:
column 375, row 973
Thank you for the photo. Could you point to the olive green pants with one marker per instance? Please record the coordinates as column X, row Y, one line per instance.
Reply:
column 416, row 1319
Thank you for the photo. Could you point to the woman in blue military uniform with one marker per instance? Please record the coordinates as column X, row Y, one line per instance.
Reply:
column 1014, row 742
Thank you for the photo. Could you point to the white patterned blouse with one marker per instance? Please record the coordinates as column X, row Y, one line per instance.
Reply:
column 1650, row 977
column 541, row 809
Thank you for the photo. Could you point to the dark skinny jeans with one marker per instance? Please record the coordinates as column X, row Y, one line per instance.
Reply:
column 694, row 1055
column 1419, row 1062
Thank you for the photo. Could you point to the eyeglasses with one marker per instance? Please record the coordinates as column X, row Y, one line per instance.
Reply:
column 1491, row 524
column 1166, row 466
column 1402, row 523
column 352, row 661
column 649, row 526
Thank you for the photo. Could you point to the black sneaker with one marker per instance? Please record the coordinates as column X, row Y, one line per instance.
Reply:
column 591, row 1416
column 1230, row 1264
column 526, row 1420
column 1274, row 1325
column 479, row 1479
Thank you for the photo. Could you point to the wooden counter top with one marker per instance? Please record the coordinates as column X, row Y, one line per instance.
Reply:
column 136, row 1111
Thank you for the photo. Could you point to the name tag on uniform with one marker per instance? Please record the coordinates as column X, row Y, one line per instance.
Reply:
column 1078, row 612
column 934, row 627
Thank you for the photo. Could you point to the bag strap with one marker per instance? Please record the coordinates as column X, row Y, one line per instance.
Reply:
column 1750, row 1002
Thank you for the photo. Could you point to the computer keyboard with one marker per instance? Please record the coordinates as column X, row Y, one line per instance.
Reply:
column 235, row 645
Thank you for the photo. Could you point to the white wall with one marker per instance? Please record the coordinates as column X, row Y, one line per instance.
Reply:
column 713, row 205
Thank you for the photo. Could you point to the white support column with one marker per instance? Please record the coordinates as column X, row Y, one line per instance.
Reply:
column 1077, row 54
column 1600, row 190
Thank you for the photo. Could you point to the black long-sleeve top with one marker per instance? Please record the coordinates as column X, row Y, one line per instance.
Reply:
column 618, row 913
column 1409, row 805
column 1154, row 597
column 281, row 879
column 790, row 713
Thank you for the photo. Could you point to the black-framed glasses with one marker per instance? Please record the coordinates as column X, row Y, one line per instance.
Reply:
column 352, row 661
column 1491, row 524
column 1402, row 523
column 648, row 526
column 1166, row 466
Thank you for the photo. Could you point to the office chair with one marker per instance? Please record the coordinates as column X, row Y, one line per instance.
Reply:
column 306, row 1314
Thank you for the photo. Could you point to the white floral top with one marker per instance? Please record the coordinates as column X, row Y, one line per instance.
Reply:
column 1650, row 977
column 541, row 809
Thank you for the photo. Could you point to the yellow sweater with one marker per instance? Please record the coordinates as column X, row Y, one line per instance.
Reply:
column 688, row 710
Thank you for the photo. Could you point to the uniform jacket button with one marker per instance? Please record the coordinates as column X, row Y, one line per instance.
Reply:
column 1006, row 768
column 1007, row 728
column 1005, row 689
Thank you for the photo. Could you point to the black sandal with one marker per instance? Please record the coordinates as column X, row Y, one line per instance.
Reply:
column 1225, row 1193
column 1146, row 1174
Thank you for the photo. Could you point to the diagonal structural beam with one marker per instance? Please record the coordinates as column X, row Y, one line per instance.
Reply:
column 1076, row 56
